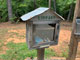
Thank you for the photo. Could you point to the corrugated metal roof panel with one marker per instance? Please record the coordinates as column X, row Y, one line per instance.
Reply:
column 34, row 13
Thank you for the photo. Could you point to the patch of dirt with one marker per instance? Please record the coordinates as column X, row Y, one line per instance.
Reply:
column 17, row 34
column 52, row 58
column 4, row 48
column 10, row 25
column 11, row 35
column 15, row 40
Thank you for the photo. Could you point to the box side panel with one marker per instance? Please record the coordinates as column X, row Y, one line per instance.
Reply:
column 78, row 28
column 29, row 33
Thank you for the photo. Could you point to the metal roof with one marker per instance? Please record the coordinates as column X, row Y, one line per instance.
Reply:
column 34, row 13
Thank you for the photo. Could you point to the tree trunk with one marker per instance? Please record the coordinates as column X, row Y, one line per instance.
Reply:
column 70, row 12
column 0, row 17
column 9, row 9
column 35, row 6
column 74, row 41
column 49, row 4
column 54, row 6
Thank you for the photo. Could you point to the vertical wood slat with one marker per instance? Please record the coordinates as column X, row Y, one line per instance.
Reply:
column 57, row 32
column 29, row 28
column 40, row 54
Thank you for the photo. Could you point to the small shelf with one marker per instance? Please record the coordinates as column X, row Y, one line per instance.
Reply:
column 44, row 45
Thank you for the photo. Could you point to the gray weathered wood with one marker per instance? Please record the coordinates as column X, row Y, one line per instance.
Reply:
column 48, row 13
column 77, row 26
column 46, row 32
column 57, row 29
column 40, row 29
column 45, row 22
column 29, row 32
column 40, row 54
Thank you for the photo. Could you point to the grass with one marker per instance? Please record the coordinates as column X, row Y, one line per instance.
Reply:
column 3, row 32
column 1, row 45
column 17, row 35
column 64, row 53
column 20, row 51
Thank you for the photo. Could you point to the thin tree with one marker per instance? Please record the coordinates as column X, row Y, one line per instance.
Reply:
column 54, row 5
column 70, row 12
column 74, row 41
column 50, row 4
column 35, row 6
column 9, row 5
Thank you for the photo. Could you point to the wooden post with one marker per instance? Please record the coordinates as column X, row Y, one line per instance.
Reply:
column 49, row 4
column 40, row 54
column 74, row 41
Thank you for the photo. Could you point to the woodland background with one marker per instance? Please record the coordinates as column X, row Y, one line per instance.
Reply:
column 14, row 9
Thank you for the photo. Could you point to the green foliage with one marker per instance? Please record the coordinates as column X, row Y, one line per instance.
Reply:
column 3, row 11
column 63, row 7
column 20, row 52
column 65, row 53
column 21, row 7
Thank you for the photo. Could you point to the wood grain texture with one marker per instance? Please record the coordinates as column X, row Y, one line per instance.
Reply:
column 40, row 54
column 29, row 32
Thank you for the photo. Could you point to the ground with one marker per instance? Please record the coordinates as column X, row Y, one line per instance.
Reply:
column 16, row 33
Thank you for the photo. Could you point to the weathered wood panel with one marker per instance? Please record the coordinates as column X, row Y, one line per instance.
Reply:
column 42, row 35
column 41, row 31
column 47, row 16
column 29, row 34
column 57, row 29
column 77, row 26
